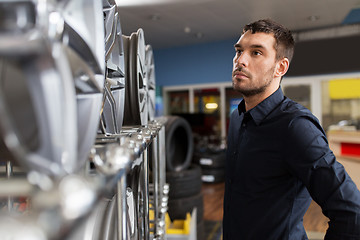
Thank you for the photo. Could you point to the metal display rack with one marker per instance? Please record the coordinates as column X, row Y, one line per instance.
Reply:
column 72, row 207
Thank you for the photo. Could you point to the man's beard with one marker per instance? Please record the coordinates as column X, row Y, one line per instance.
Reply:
column 255, row 90
column 251, row 92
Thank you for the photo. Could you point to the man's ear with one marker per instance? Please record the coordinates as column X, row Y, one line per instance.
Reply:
column 282, row 67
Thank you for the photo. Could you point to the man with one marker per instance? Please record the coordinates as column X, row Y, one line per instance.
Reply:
column 278, row 157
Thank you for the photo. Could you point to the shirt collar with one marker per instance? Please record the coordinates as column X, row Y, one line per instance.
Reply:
column 263, row 109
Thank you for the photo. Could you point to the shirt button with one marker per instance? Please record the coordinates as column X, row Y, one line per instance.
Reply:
column 244, row 124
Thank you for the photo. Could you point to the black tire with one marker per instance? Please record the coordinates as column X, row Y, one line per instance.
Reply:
column 179, row 207
column 213, row 175
column 208, row 160
column 184, row 183
column 179, row 143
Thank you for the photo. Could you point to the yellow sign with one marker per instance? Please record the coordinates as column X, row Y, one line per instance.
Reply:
column 344, row 88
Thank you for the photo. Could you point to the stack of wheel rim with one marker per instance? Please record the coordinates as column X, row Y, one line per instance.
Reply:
column 57, row 85
column 183, row 177
column 129, row 96
column 129, row 102
column 130, row 80
column 103, row 222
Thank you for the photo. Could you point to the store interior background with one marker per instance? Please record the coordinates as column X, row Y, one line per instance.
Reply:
column 193, row 68
column 193, row 49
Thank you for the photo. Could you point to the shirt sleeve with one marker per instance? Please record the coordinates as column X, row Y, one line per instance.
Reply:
column 311, row 160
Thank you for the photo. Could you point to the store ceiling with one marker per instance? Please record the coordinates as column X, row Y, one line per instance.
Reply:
column 170, row 23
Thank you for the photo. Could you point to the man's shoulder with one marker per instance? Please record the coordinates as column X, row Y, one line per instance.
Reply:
column 294, row 109
column 234, row 113
column 297, row 116
column 290, row 111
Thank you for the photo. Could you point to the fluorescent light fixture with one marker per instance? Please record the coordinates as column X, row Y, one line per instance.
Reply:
column 211, row 106
column 133, row 3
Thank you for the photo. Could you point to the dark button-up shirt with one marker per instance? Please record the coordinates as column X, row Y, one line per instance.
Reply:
column 277, row 159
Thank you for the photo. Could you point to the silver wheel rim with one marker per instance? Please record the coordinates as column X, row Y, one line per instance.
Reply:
column 113, row 106
column 65, row 71
column 136, row 95
column 84, row 43
column 151, row 83
column 135, row 204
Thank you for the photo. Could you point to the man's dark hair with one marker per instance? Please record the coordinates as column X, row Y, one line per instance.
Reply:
column 284, row 41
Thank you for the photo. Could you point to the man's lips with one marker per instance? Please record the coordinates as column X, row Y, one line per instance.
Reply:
column 240, row 74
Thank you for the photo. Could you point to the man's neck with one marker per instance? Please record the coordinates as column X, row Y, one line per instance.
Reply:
column 254, row 100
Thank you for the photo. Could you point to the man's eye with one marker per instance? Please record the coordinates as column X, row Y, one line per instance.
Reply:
column 257, row 53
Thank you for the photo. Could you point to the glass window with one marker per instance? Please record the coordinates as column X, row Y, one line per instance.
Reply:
column 335, row 109
column 232, row 99
column 207, row 101
column 207, row 107
column 178, row 102
column 299, row 93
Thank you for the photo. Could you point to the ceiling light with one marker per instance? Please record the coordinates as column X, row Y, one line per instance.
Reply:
column 155, row 17
column 199, row 35
column 187, row 29
column 211, row 106
column 313, row 18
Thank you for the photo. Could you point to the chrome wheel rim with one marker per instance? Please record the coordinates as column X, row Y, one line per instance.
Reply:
column 136, row 85
column 151, row 83
column 63, row 70
column 113, row 106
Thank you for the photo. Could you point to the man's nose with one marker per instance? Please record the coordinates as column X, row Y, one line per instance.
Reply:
column 241, row 60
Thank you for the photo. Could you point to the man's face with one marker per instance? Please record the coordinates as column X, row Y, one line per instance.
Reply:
column 254, row 63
